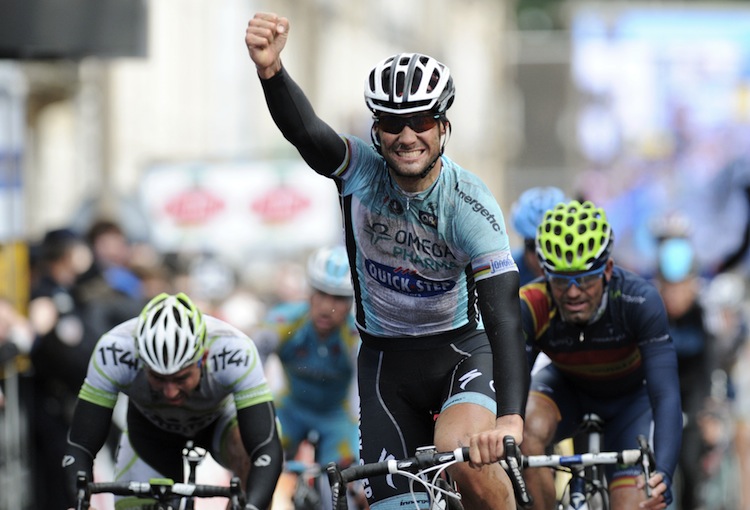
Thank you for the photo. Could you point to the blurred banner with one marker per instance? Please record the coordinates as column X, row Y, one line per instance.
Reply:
column 14, row 278
column 243, row 210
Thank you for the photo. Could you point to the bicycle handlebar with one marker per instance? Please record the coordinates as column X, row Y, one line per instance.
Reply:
column 338, row 478
column 420, row 461
column 629, row 457
column 158, row 488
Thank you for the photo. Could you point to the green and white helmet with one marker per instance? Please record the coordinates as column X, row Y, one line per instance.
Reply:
column 574, row 237
column 170, row 333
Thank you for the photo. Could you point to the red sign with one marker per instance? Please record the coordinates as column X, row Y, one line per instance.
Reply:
column 194, row 206
column 280, row 204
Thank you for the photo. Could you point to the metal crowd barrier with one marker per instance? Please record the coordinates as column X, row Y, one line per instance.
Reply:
column 15, row 471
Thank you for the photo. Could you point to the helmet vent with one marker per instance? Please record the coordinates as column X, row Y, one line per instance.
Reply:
column 416, row 81
column 156, row 317
column 399, row 85
column 164, row 351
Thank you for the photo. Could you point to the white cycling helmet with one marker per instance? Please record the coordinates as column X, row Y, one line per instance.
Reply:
column 328, row 271
column 409, row 83
column 170, row 333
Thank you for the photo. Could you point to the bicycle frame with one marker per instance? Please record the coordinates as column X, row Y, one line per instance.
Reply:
column 587, row 489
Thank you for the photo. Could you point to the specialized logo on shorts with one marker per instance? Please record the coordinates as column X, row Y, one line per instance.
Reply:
column 68, row 460
column 405, row 281
column 468, row 377
column 263, row 461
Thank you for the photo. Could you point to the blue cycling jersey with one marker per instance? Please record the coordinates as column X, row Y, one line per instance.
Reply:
column 419, row 255
column 319, row 371
column 628, row 346
column 319, row 378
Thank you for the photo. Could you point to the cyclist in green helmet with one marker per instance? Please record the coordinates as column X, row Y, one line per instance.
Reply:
column 606, row 333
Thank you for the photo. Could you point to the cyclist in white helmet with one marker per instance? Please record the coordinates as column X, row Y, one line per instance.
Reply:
column 316, row 341
column 428, row 250
column 187, row 376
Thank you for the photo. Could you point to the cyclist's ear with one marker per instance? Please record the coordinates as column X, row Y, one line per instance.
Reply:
column 375, row 135
column 608, row 268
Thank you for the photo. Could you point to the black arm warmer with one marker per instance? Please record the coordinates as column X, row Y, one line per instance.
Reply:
column 318, row 144
column 501, row 314
column 259, row 435
column 88, row 433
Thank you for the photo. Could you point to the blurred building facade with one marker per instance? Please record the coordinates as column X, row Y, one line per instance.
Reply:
column 546, row 95
column 87, row 128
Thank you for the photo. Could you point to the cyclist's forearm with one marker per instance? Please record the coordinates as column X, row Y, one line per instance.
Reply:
column 662, row 382
column 259, row 435
column 500, row 308
column 318, row 144
column 88, row 433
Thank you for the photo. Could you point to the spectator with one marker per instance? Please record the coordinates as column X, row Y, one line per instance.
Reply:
column 111, row 291
column 62, row 346
column 16, row 336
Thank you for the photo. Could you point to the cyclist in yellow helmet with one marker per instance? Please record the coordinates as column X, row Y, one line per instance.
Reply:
column 606, row 333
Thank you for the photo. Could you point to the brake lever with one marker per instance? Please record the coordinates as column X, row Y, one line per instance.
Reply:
column 514, row 463
column 646, row 461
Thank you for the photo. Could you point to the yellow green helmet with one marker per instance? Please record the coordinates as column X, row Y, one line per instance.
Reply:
column 574, row 237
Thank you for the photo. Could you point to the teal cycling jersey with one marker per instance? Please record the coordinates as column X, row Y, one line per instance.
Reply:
column 419, row 255
column 319, row 371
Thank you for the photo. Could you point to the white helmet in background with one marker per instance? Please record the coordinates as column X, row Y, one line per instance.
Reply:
column 328, row 271
column 170, row 333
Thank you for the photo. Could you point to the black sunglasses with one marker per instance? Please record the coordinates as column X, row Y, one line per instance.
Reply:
column 394, row 124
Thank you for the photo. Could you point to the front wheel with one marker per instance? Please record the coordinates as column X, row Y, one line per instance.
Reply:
column 598, row 499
